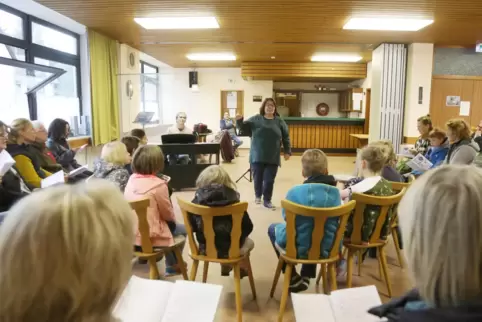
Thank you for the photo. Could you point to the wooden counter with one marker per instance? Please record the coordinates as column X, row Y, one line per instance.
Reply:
column 332, row 135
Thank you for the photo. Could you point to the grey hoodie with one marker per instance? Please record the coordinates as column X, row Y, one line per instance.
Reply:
column 116, row 174
column 462, row 152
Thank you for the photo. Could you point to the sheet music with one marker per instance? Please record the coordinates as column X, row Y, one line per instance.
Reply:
column 143, row 300
column 6, row 162
column 405, row 151
column 365, row 185
column 352, row 304
column 312, row 307
column 191, row 301
column 57, row 177
column 419, row 163
column 77, row 171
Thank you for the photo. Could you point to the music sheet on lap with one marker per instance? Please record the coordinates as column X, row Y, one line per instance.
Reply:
column 348, row 305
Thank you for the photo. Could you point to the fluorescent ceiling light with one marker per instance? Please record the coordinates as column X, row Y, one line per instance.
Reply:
column 351, row 58
column 178, row 23
column 389, row 24
column 211, row 57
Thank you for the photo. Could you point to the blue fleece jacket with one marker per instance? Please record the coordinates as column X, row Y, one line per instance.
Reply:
column 311, row 195
column 436, row 155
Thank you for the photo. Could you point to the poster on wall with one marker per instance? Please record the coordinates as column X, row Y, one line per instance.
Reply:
column 452, row 101
column 257, row 98
column 465, row 108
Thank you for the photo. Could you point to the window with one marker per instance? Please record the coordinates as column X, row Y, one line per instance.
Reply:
column 11, row 25
column 150, row 90
column 26, row 38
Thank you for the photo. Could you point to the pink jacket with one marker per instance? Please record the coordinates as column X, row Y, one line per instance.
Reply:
column 160, row 210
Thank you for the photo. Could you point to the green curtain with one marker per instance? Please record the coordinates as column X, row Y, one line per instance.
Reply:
column 103, row 80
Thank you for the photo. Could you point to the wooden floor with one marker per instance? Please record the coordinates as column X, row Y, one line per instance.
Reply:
column 263, row 258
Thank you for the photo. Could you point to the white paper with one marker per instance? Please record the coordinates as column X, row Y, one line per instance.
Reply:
column 143, row 300
column 343, row 177
column 191, row 301
column 357, row 99
column 311, row 307
column 405, row 151
column 465, row 108
column 6, row 162
column 77, row 171
column 232, row 113
column 419, row 163
column 365, row 184
column 165, row 178
column 352, row 304
column 347, row 305
column 57, row 177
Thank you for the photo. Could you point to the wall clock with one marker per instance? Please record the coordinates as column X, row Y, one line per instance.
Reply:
column 322, row 109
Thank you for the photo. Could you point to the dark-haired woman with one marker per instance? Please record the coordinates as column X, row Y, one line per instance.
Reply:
column 58, row 133
column 268, row 132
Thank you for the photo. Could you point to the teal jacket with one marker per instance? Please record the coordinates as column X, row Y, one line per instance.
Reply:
column 266, row 138
column 311, row 195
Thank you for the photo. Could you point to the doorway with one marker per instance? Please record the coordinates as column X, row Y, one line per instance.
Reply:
column 232, row 102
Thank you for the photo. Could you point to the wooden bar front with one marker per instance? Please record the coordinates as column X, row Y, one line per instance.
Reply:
column 332, row 135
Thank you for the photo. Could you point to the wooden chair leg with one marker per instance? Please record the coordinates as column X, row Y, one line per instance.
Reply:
column 276, row 277
column 284, row 294
column 153, row 269
column 332, row 272
column 237, row 290
column 380, row 269
column 205, row 271
column 180, row 261
column 397, row 247
column 318, row 278
column 325, row 279
column 359, row 261
column 385, row 270
column 345, row 252
column 251, row 278
column 349, row 272
column 195, row 264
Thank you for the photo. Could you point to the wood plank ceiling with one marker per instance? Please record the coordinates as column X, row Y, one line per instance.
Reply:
column 255, row 30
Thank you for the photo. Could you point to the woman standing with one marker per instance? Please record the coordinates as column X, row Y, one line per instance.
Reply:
column 268, row 131
column 462, row 148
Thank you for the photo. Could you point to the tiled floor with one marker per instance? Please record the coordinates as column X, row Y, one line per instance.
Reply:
column 263, row 258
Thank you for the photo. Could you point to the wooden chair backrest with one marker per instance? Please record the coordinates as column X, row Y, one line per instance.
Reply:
column 362, row 201
column 398, row 186
column 140, row 207
column 236, row 212
column 319, row 215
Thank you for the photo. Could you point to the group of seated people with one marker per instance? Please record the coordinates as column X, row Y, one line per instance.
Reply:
column 35, row 248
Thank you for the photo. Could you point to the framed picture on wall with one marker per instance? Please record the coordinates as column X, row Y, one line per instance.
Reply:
column 452, row 101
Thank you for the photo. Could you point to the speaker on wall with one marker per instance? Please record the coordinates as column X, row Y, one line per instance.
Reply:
column 193, row 79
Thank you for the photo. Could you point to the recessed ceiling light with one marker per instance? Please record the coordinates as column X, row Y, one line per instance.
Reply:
column 389, row 24
column 273, row 57
column 178, row 23
column 211, row 57
column 336, row 58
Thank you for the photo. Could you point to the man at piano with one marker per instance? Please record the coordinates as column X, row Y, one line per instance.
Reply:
column 179, row 128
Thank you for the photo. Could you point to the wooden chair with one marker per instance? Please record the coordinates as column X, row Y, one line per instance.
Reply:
column 397, row 186
column 236, row 253
column 289, row 256
column 355, row 247
column 148, row 253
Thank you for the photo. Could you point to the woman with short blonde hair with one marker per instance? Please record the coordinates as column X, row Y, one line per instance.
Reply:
column 112, row 164
column 20, row 136
column 215, row 174
column 148, row 159
column 441, row 220
column 58, row 258
column 314, row 161
column 389, row 172
column 462, row 148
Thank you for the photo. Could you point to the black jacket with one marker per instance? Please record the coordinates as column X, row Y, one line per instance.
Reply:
column 10, row 190
column 63, row 154
column 321, row 178
column 396, row 311
column 217, row 195
column 22, row 149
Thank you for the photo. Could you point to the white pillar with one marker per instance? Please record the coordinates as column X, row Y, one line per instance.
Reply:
column 388, row 93
column 419, row 74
